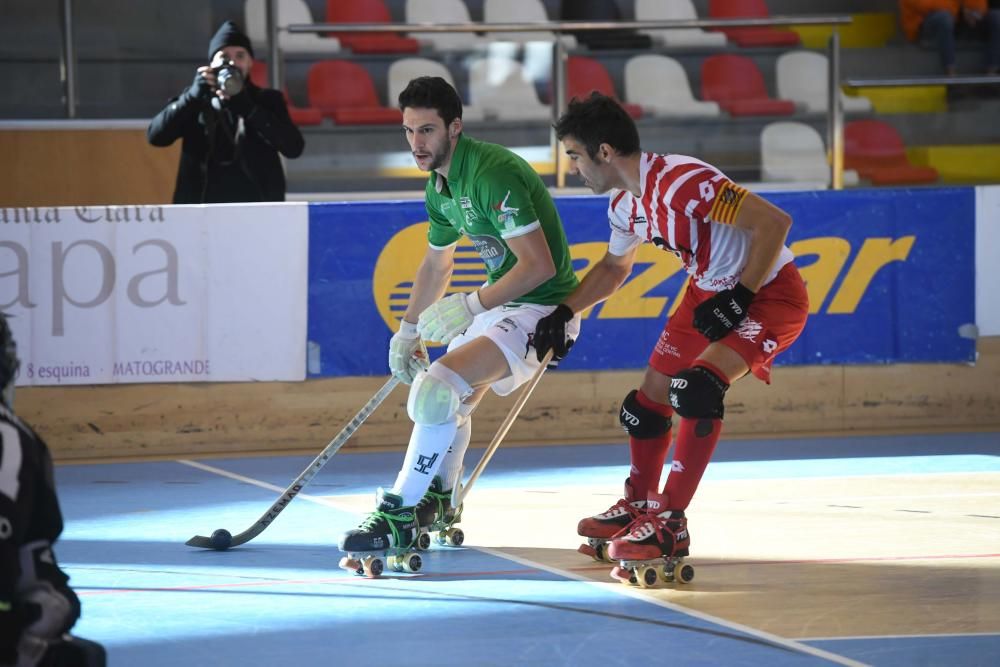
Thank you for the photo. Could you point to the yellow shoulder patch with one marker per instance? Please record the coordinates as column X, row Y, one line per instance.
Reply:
column 727, row 203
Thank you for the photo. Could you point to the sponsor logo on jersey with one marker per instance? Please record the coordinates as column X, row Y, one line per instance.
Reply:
column 506, row 213
column 769, row 345
column 749, row 330
column 490, row 249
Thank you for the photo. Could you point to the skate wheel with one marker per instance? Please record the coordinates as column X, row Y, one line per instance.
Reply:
column 601, row 553
column 456, row 537
column 647, row 576
column 686, row 574
column 394, row 563
column 668, row 574
column 423, row 541
column 441, row 538
column 373, row 567
column 412, row 562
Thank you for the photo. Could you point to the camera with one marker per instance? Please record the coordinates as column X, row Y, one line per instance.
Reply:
column 229, row 78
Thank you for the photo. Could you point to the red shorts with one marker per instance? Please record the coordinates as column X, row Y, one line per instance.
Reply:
column 777, row 316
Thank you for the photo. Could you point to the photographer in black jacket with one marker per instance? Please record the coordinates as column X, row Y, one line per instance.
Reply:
column 232, row 130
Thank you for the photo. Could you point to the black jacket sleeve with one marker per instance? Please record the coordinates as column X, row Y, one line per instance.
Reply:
column 266, row 114
column 171, row 123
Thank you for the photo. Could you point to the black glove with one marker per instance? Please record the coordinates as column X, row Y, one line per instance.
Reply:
column 200, row 89
column 550, row 333
column 717, row 316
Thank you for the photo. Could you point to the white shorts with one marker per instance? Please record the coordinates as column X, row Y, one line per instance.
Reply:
column 510, row 327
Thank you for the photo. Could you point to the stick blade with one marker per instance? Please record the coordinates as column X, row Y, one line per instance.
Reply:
column 200, row 541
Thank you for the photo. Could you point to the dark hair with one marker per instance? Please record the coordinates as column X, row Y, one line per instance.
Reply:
column 432, row 92
column 8, row 356
column 598, row 120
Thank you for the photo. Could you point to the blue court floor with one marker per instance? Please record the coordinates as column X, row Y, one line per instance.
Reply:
column 518, row 593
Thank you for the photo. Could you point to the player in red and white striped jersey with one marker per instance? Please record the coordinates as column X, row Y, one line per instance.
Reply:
column 745, row 303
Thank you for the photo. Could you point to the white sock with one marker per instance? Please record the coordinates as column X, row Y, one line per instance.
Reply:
column 424, row 455
column 451, row 466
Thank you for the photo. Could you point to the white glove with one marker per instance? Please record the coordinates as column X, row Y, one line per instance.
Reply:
column 445, row 319
column 407, row 354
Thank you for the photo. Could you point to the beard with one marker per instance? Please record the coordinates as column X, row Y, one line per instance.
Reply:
column 438, row 158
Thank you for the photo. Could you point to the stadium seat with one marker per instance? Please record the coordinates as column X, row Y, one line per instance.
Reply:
column 676, row 10
column 343, row 91
column 521, row 11
column 443, row 12
column 404, row 70
column 299, row 115
column 793, row 152
column 751, row 36
column 803, row 78
column 875, row 149
column 737, row 85
column 660, row 86
column 289, row 12
column 498, row 86
column 585, row 75
column 367, row 11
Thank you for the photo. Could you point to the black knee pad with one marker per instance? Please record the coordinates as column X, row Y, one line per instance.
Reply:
column 640, row 421
column 697, row 393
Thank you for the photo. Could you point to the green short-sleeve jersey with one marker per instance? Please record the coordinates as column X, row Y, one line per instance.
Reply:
column 492, row 195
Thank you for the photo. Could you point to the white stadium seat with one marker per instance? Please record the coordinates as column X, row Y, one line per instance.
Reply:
column 443, row 12
column 802, row 77
column 498, row 86
column 288, row 13
column 794, row 153
column 660, row 86
column 676, row 10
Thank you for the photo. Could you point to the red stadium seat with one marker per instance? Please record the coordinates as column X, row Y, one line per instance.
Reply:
column 876, row 151
column 737, row 85
column 585, row 75
column 343, row 91
column 750, row 9
column 299, row 115
column 367, row 11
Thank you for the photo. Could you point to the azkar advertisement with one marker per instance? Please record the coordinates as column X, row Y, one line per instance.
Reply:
column 890, row 275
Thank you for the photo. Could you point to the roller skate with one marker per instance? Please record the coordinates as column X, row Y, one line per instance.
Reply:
column 653, row 548
column 436, row 515
column 600, row 528
column 386, row 537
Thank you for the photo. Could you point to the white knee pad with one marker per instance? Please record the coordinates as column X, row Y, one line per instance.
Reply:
column 436, row 395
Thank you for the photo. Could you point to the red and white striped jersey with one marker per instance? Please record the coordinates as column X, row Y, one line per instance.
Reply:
column 686, row 207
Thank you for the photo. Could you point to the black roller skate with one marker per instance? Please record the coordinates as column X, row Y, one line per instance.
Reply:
column 653, row 548
column 436, row 515
column 386, row 537
column 601, row 528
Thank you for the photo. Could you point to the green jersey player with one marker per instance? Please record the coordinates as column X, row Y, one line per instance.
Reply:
column 492, row 196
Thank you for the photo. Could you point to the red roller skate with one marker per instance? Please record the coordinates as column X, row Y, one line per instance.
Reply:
column 601, row 528
column 653, row 548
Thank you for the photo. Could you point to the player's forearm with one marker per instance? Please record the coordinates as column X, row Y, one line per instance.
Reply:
column 600, row 283
column 766, row 242
column 429, row 285
column 517, row 282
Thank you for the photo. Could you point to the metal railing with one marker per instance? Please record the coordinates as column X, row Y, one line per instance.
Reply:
column 275, row 73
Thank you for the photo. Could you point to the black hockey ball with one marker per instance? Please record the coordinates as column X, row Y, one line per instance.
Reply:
column 221, row 539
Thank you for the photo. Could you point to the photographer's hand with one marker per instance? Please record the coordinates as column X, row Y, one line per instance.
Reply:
column 203, row 84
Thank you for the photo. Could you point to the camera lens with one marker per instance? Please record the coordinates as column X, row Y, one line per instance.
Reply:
column 230, row 80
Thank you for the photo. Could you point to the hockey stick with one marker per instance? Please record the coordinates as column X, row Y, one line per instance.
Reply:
column 302, row 480
column 460, row 491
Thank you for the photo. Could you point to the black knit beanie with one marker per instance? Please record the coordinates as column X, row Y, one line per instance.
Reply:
column 228, row 34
